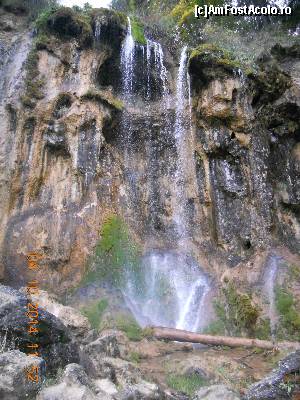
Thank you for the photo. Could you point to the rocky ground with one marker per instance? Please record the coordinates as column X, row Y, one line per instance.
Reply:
column 77, row 362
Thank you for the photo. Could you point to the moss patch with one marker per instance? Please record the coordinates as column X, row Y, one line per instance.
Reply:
column 289, row 324
column 138, row 32
column 66, row 23
column 114, row 254
column 186, row 384
column 135, row 357
column 105, row 98
column 94, row 312
column 33, row 83
column 237, row 315
column 130, row 327
column 210, row 53
column 210, row 62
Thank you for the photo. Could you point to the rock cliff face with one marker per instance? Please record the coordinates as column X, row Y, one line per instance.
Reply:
column 64, row 167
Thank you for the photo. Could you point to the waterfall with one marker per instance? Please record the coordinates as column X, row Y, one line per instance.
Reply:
column 180, row 140
column 155, row 62
column 269, row 279
column 170, row 289
column 171, row 292
column 97, row 33
column 127, row 61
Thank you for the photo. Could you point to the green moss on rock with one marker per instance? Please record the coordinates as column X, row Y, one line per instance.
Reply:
column 110, row 16
column 67, row 23
column 187, row 384
column 94, row 312
column 103, row 97
column 33, row 83
column 270, row 82
column 209, row 62
column 115, row 252
column 130, row 327
column 236, row 314
column 138, row 32
column 289, row 312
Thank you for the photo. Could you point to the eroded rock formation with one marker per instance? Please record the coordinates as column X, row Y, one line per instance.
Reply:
column 63, row 169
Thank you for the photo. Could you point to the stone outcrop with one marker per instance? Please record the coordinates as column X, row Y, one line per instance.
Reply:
column 246, row 145
column 14, row 383
column 282, row 383
column 53, row 338
column 215, row 392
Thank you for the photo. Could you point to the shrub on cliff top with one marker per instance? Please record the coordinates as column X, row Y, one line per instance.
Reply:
column 65, row 23
column 30, row 7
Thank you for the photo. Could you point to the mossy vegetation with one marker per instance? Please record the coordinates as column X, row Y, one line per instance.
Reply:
column 30, row 7
column 114, row 17
column 138, row 32
column 187, row 384
column 238, row 315
column 103, row 97
column 115, row 253
column 66, row 23
column 33, row 83
column 135, row 357
column 294, row 272
column 130, row 327
column 211, row 55
column 289, row 314
column 94, row 312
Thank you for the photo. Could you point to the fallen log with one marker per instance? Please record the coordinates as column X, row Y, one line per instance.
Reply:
column 186, row 336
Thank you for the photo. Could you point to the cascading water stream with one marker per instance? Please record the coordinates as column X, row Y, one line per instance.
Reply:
column 97, row 32
column 127, row 61
column 170, row 290
column 180, row 140
column 270, row 278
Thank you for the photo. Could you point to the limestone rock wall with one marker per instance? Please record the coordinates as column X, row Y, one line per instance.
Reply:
column 62, row 163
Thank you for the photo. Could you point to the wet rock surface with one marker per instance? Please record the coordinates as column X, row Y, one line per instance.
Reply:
column 243, row 196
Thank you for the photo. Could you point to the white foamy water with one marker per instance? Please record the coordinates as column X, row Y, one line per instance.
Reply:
column 270, row 279
column 169, row 288
column 170, row 292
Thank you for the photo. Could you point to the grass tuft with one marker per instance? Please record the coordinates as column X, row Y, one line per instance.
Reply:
column 130, row 327
column 94, row 312
column 186, row 384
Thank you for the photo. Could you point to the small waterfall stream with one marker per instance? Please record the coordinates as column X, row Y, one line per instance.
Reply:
column 270, row 279
column 170, row 289
column 97, row 32
column 181, row 129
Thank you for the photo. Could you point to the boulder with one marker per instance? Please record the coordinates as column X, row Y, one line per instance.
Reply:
column 215, row 392
column 141, row 391
column 102, row 358
column 53, row 338
column 13, row 318
column 14, row 382
column 106, row 386
column 77, row 324
column 74, row 384
column 281, row 384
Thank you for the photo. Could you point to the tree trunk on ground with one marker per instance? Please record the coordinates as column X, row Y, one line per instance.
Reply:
column 186, row 336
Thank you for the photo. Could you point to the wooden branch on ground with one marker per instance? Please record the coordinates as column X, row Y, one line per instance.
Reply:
column 186, row 336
